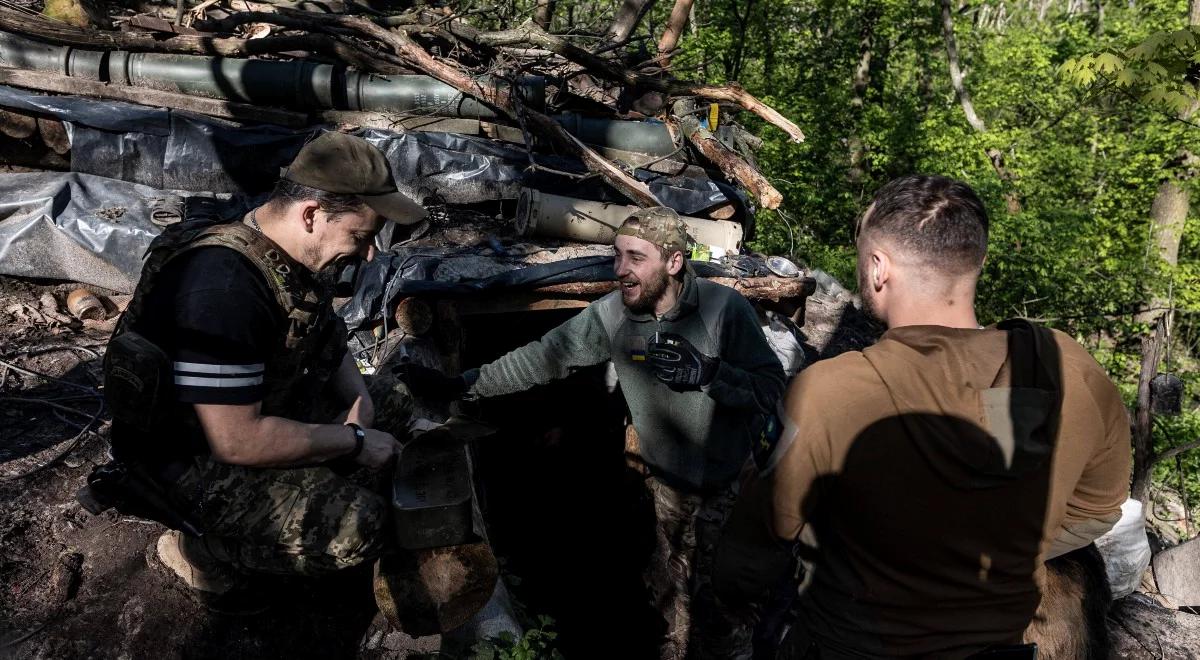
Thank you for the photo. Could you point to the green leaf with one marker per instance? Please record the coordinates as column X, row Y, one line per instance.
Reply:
column 1108, row 63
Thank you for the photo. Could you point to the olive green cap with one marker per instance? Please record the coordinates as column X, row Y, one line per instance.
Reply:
column 349, row 165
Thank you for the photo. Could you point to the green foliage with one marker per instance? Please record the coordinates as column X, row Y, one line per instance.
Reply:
column 1084, row 109
column 535, row 644
column 1163, row 69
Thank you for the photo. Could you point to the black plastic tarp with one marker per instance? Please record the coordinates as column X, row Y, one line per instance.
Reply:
column 89, row 229
column 175, row 150
column 410, row 272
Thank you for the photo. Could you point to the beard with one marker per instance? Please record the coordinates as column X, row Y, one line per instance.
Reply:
column 650, row 291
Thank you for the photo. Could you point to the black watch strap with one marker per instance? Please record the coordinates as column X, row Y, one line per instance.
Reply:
column 360, row 436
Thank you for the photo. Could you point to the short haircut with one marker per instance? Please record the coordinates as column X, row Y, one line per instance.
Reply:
column 287, row 192
column 935, row 219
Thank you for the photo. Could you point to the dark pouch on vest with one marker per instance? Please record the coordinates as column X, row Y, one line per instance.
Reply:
column 137, row 381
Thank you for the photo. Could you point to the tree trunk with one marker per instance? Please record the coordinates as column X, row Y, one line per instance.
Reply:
column 1143, row 630
column 859, row 84
column 1143, row 422
column 675, row 25
column 1167, row 215
column 544, row 13
column 964, row 98
column 1169, row 210
column 628, row 16
column 956, row 74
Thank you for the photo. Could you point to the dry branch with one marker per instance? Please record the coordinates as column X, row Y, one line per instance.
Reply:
column 730, row 162
column 628, row 16
column 498, row 96
column 675, row 25
column 614, row 70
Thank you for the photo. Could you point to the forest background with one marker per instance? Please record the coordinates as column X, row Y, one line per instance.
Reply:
column 1075, row 120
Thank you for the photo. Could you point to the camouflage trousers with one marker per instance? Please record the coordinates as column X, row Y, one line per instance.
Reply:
column 298, row 520
column 680, row 575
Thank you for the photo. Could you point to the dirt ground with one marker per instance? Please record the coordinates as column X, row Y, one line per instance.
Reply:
column 73, row 585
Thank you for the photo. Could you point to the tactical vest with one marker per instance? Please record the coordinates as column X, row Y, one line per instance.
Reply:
column 295, row 372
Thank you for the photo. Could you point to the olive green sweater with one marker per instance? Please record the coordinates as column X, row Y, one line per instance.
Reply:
column 697, row 440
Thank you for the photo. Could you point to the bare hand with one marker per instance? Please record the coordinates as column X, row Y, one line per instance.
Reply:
column 378, row 448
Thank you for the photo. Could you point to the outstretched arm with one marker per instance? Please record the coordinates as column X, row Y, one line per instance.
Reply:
column 580, row 342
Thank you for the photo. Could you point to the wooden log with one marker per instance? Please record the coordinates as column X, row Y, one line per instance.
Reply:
column 753, row 288
column 54, row 135
column 1143, row 630
column 17, row 124
column 730, row 162
column 428, row 592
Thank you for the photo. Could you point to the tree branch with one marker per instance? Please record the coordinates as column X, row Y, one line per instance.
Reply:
column 730, row 162
column 627, row 19
column 613, row 70
column 1175, row 451
column 675, row 25
column 493, row 92
column 1143, row 450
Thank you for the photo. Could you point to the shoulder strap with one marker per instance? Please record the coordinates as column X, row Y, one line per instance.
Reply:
column 1033, row 359
column 1036, row 368
column 276, row 266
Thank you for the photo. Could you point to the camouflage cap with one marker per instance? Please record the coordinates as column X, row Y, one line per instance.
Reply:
column 659, row 225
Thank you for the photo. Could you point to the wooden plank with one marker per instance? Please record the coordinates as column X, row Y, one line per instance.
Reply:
column 754, row 288
column 515, row 302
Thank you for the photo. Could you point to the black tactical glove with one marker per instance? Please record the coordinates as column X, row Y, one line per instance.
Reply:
column 676, row 362
column 431, row 383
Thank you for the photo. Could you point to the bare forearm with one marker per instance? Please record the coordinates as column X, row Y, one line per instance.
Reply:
column 352, row 390
column 279, row 442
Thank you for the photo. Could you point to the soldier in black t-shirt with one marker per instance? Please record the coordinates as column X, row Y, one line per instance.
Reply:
column 251, row 350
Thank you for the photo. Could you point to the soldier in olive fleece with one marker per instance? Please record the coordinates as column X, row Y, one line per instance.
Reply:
column 699, row 380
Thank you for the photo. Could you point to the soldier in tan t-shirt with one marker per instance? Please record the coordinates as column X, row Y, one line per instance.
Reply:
column 929, row 476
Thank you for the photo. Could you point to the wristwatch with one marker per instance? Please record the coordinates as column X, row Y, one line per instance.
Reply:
column 360, row 436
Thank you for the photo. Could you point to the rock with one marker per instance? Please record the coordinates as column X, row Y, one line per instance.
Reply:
column 64, row 577
column 1140, row 629
column 1177, row 572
